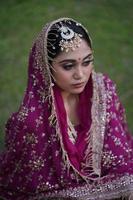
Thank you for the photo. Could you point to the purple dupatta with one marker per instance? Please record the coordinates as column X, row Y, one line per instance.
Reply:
column 40, row 161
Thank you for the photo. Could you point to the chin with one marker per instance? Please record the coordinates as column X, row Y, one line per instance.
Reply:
column 78, row 90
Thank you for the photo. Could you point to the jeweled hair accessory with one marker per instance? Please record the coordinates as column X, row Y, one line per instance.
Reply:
column 70, row 40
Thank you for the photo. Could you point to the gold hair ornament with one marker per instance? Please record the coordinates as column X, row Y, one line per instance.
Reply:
column 70, row 40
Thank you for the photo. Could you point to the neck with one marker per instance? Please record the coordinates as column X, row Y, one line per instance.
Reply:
column 71, row 103
column 68, row 97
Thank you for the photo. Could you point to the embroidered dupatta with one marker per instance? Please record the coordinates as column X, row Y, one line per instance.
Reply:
column 39, row 162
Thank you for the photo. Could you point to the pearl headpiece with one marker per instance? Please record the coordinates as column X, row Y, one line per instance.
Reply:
column 70, row 39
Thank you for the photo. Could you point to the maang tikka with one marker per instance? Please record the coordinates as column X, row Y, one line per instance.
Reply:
column 70, row 40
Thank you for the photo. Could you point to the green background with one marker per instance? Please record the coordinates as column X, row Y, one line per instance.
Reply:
column 110, row 23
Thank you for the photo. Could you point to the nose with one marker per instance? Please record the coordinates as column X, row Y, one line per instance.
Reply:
column 78, row 74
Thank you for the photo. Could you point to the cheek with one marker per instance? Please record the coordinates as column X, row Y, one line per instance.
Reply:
column 88, row 71
column 62, row 77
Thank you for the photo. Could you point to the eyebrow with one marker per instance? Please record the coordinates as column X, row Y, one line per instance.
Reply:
column 72, row 60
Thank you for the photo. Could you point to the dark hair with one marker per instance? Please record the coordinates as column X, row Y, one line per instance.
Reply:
column 54, row 37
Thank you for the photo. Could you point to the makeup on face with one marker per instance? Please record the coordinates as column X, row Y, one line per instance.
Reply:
column 88, row 58
column 72, row 70
column 69, row 64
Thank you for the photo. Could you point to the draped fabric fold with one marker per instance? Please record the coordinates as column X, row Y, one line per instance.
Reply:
column 41, row 161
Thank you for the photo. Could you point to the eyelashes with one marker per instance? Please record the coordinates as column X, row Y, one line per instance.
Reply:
column 87, row 62
column 69, row 66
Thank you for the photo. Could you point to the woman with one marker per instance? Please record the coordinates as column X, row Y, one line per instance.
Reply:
column 69, row 138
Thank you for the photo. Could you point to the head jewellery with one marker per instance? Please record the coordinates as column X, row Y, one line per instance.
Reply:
column 70, row 39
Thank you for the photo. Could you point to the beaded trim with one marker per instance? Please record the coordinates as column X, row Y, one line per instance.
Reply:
column 120, row 187
column 95, row 138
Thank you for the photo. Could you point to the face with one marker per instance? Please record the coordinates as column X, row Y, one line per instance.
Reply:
column 72, row 69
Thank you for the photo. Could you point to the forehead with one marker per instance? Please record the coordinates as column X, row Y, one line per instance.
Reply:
column 79, row 53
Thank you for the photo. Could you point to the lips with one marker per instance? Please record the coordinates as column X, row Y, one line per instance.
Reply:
column 77, row 85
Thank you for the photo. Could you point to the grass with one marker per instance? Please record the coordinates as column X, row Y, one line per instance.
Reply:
column 108, row 21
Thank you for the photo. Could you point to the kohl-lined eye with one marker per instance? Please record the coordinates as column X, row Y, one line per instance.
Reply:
column 87, row 62
column 68, row 66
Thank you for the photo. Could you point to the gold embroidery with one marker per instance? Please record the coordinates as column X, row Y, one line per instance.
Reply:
column 37, row 163
column 119, row 187
column 95, row 139
column 71, row 131
column 30, row 138
column 23, row 113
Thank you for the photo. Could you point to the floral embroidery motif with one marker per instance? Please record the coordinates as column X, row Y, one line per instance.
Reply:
column 36, row 164
column 23, row 113
column 30, row 138
column 43, row 186
column 39, row 121
column 32, row 109
column 109, row 159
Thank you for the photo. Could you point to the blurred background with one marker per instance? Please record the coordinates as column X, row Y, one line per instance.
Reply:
column 110, row 23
